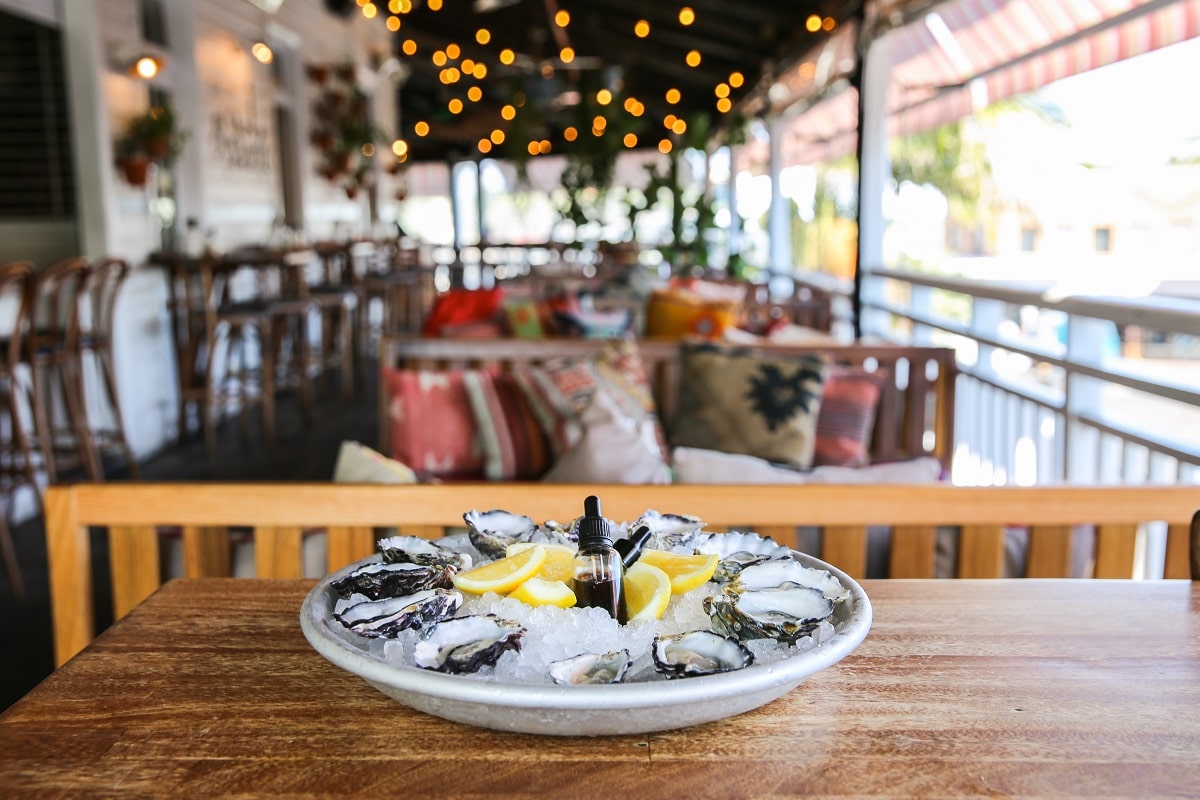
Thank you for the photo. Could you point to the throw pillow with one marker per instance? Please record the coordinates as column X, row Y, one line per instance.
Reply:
column 847, row 417
column 433, row 428
column 614, row 448
column 357, row 463
column 514, row 446
column 760, row 405
column 559, row 390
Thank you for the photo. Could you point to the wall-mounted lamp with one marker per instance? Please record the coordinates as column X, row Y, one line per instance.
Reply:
column 262, row 52
column 143, row 61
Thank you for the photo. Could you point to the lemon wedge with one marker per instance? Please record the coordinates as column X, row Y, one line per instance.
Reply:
column 539, row 592
column 686, row 572
column 504, row 575
column 647, row 592
column 557, row 566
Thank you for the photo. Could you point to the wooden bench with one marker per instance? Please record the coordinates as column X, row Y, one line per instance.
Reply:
column 916, row 408
column 130, row 514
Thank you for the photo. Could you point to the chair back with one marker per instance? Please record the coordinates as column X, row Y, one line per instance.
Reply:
column 16, row 283
column 281, row 515
column 56, row 297
column 104, row 281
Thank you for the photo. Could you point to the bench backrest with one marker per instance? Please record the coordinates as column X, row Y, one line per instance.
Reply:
column 281, row 515
column 915, row 416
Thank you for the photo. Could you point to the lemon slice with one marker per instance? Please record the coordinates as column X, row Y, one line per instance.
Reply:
column 538, row 592
column 647, row 592
column 504, row 575
column 686, row 572
column 558, row 560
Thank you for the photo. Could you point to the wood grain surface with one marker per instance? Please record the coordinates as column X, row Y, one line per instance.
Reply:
column 963, row 688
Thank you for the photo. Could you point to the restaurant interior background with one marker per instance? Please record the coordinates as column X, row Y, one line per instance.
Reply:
column 1072, row 155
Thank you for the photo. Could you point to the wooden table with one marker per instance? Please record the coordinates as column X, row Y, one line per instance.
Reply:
column 982, row 688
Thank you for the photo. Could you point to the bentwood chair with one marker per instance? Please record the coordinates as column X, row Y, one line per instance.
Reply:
column 51, row 353
column 94, row 342
column 18, row 457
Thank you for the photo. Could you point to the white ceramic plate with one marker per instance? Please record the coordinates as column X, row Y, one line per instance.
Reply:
column 585, row 710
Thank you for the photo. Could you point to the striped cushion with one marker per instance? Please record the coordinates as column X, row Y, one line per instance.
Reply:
column 514, row 446
column 433, row 428
column 847, row 417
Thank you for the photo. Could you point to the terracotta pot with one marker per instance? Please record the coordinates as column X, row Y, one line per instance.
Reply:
column 158, row 149
column 135, row 169
column 318, row 73
column 351, row 191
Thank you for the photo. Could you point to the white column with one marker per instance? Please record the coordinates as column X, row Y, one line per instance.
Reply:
column 95, row 186
column 875, row 170
column 779, row 221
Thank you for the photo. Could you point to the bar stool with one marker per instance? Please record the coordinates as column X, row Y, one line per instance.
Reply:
column 336, row 297
column 50, row 351
column 18, row 456
column 104, row 282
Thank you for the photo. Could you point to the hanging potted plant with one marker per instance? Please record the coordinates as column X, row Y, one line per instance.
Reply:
column 148, row 138
column 343, row 133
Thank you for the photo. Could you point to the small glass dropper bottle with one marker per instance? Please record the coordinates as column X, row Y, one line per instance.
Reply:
column 597, row 571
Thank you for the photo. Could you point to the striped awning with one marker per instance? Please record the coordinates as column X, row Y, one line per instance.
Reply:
column 964, row 54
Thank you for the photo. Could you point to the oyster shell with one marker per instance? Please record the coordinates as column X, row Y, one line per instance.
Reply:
column 783, row 614
column 379, row 579
column 684, row 655
column 384, row 619
column 465, row 644
column 493, row 531
column 732, row 565
column 782, row 573
column 415, row 550
column 669, row 530
column 584, row 668
column 726, row 544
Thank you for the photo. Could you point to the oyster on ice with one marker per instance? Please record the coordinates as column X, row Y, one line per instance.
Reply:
column 384, row 619
column 493, row 531
column 668, row 530
column 685, row 655
column 784, row 614
column 782, row 573
column 584, row 668
column 465, row 644
column 380, row 579
column 415, row 550
column 729, row 567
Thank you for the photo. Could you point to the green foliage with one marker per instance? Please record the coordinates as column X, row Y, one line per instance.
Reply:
column 153, row 135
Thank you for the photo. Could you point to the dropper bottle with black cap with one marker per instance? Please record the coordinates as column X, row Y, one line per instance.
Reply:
column 597, row 571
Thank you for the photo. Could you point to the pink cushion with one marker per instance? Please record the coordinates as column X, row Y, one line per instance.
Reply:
column 847, row 417
column 433, row 429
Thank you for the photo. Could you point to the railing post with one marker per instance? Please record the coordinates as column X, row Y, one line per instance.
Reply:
column 1085, row 345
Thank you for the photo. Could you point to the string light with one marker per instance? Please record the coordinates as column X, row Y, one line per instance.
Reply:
column 813, row 23
column 393, row 24
column 146, row 67
column 369, row 11
column 693, row 58
column 567, row 55
column 468, row 66
column 507, row 56
column 483, row 36
column 599, row 123
column 641, row 29
column 562, row 18
column 479, row 71
column 394, row 6
column 532, row 148
column 736, row 79
column 261, row 50
column 400, row 148
column 434, row 5
column 673, row 96
column 474, row 94
column 544, row 146
column 453, row 51
column 570, row 134
column 439, row 58
column 828, row 24
column 508, row 112
column 604, row 97
column 455, row 105
column 686, row 16
column 453, row 75
column 497, row 136
column 485, row 146
column 409, row 47
column 721, row 90
column 664, row 146
column 669, row 120
column 630, row 140
column 724, row 104
column 421, row 128
column 679, row 126
column 368, row 149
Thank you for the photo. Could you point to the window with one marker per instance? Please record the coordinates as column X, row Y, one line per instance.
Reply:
column 37, row 176
column 1103, row 239
column 1029, row 240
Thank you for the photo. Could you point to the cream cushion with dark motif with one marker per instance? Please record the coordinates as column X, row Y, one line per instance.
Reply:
column 739, row 401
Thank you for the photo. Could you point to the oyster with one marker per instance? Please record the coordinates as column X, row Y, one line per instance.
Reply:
column 465, row 644
column 377, row 580
column 783, row 573
column 415, row 550
column 783, row 614
column 693, row 653
column 591, row 668
column 384, row 619
column 726, row 544
column 493, row 531
column 669, row 530
column 729, row 567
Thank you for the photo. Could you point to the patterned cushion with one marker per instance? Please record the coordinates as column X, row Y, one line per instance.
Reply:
column 433, row 429
column 561, row 389
column 737, row 401
column 615, row 448
column 847, row 417
column 514, row 446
